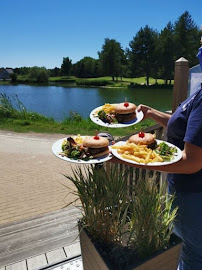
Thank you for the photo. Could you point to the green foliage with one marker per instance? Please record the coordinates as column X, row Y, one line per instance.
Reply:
column 186, row 37
column 22, row 70
column 112, row 58
column 104, row 198
column 92, row 82
column 152, row 219
column 55, row 72
column 38, row 74
column 66, row 66
column 143, row 220
column 87, row 67
column 13, row 77
column 42, row 76
column 6, row 107
column 166, row 53
column 22, row 122
column 142, row 54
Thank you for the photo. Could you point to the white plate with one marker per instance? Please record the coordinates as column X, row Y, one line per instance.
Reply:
column 176, row 157
column 57, row 148
column 96, row 120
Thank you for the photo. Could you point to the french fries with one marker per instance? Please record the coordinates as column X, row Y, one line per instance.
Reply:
column 137, row 153
column 108, row 108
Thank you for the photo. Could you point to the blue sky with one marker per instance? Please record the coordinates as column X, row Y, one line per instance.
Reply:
column 42, row 32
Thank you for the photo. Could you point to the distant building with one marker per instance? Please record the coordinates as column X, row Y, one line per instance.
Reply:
column 5, row 73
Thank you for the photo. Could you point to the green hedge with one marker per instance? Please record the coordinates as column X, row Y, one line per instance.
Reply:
column 92, row 82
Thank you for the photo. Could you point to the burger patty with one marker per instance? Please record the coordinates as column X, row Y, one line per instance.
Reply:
column 152, row 145
column 121, row 118
column 94, row 151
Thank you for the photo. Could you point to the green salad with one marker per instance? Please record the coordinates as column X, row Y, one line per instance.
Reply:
column 165, row 151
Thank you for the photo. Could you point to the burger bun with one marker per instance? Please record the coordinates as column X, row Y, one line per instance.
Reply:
column 124, row 113
column 121, row 109
column 148, row 139
column 93, row 143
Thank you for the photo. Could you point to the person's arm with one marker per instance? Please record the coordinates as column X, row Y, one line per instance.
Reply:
column 191, row 162
column 160, row 117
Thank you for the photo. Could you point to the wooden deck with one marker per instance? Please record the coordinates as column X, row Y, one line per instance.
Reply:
column 39, row 242
column 50, row 260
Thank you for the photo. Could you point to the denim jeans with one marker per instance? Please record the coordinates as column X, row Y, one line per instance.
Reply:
column 188, row 226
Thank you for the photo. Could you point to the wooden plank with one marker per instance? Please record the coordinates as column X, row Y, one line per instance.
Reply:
column 55, row 255
column 36, row 262
column 17, row 266
column 31, row 238
column 167, row 260
column 90, row 256
column 73, row 250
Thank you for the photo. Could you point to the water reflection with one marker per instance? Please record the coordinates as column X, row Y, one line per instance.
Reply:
column 57, row 101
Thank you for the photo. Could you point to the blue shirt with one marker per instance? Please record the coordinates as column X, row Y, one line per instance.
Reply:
column 185, row 125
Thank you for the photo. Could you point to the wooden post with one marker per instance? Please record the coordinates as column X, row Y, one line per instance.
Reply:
column 180, row 82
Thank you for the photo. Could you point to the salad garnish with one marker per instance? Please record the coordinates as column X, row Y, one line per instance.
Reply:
column 107, row 117
column 74, row 150
column 165, row 151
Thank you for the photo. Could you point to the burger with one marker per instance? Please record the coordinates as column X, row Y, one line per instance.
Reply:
column 125, row 112
column 142, row 138
column 96, row 146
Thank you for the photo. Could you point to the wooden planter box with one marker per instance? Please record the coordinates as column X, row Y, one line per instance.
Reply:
column 92, row 260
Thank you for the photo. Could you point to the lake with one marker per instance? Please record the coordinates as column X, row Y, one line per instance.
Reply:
column 58, row 101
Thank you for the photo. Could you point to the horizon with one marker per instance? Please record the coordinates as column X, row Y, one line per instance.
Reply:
column 40, row 33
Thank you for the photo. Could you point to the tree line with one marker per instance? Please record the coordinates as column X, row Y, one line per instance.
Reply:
column 150, row 54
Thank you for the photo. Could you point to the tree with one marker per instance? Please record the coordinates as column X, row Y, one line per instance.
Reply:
column 42, row 76
column 66, row 66
column 187, row 38
column 142, row 54
column 111, row 58
column 166, row 53
column 39, row 74
column 55, row 72
column 87, row 67
column 13, row 77
column 22, row 70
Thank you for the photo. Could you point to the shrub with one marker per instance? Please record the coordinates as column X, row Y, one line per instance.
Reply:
column 13, row 77
column 92, row 82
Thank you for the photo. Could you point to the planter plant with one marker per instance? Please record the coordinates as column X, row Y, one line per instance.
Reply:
column 121, row 229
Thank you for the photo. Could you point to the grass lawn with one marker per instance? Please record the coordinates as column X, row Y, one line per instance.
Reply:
column 121, row 82
column 34, row 123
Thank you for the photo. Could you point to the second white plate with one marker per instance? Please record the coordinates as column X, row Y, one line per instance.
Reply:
column 96, row 120
column 176, row 157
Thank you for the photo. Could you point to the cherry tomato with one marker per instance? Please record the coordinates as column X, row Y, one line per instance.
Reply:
column 96, row 138
column 141, row 134
column 126, row 104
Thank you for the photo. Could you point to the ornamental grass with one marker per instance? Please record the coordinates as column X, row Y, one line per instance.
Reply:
column 140, row 221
